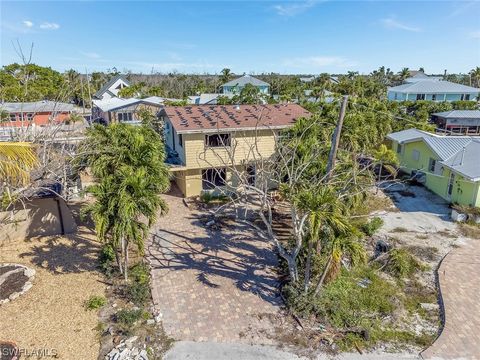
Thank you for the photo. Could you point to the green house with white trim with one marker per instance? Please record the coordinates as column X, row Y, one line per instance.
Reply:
column 447, row 165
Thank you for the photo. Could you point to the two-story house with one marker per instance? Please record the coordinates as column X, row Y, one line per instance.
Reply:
column 208, row 140
column 447, row 165
column 111, row 88
column 433, row 90
column 454, row 122
column 235, row 86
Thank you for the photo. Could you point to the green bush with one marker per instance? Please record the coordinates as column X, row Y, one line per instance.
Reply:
column 402, row 263
column 107, row 259
column 127, row 319
column 371, row 227
column 95, row 302
column 138, row 290
column 208, row 197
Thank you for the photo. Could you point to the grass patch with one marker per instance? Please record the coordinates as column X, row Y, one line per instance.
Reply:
column 371, row 227
column 212, row 198
column 470, row 229
column 403, row 264
column 95, row 302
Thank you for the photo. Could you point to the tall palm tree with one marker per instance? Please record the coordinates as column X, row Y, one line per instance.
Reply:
column 404, row 73
column 226, row 75
column 128, row 164
column 326, row 214
column 475, row 77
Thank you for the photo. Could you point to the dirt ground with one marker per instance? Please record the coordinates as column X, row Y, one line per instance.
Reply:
column 50, row 317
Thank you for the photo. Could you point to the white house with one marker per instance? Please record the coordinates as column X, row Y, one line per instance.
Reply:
column 235, row 86
column 111, row 88
column 432, row 89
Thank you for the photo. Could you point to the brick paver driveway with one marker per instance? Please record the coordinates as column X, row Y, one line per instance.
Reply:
column 212, row 285
column 459, row 276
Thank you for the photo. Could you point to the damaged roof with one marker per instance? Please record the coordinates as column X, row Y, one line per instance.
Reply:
column 204, row 118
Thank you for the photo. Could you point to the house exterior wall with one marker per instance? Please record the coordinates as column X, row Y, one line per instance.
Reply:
column 247, row 147
column 400, row 96
column 464, row 192
column 39, row 118
column 237, row 89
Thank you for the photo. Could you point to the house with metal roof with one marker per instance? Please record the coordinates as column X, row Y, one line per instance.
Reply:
column 235, row 86
column 447, row 165
column 454, row 122
column 205, row 142
column 124, row 110
column 434, row 90
column 111, row 88
column 207, row 98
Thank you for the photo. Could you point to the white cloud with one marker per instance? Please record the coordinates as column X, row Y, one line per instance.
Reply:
column 319, row 62
column 475, row 34
column 27, row 23
column 91, row 55
column 391, row 23
column 49, row 26
column 295, row 8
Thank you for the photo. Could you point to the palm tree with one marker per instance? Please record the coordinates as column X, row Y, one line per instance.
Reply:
column 128, row 164
column 326, row 214
column 386, row 159
column 226, row 75
column 475, row 77
column 404, row 73
column 17, row 159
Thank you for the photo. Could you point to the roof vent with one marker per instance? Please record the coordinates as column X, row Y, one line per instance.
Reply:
column 237, row 107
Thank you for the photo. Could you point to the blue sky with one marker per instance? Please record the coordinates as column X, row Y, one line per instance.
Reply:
column 305, row 36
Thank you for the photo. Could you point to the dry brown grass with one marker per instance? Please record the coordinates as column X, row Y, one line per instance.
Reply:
column 51, row 315
column 470, row 230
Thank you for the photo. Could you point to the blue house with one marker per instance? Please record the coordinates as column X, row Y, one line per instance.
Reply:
column 432, row 89
column 235, row 86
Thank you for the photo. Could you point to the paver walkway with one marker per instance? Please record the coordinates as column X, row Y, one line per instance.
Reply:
column 459, row 277
column 212, row 285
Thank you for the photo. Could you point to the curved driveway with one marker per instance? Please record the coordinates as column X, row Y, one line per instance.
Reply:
column 459, row 276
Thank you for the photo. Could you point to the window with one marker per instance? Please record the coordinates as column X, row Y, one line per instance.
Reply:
column 217, row 140
column 396, row 96
column 13, row 117
column 420, row 96
column 434, row 97
column 125, row 116
column 416, row 155
column 431, row 165
column 251, row 172
column 467, row 97
column 180, row 140
column 29, row 117
column 212, row 178
column 399, row 148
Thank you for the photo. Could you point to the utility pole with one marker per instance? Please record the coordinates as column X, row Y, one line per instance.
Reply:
column 336, row 139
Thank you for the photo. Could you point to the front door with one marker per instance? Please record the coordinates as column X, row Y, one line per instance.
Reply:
column 451, row 180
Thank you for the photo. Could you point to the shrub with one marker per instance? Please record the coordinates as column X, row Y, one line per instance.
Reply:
column 402, row 263
column 107, row 258
column 95, row 302
column 372, row 226
column 138, row 290
column 209, row 197
column 126, row 318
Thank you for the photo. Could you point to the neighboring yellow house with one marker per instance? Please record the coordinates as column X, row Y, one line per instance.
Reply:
column 447, row 165
column 205, row 142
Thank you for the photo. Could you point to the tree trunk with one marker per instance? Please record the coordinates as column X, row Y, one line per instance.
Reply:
column 118, row 257
column 322, row 279
column 308, row 265
column 125, row 267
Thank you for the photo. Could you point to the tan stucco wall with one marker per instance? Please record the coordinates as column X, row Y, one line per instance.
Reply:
column 39, row 217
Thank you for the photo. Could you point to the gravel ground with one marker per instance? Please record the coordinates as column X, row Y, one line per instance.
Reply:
column 50, row 317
